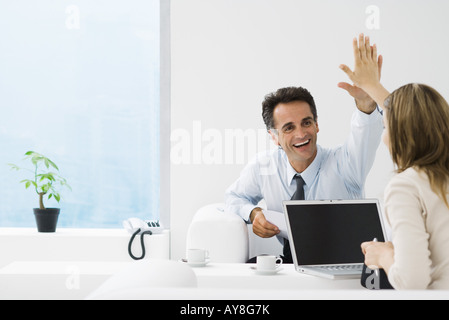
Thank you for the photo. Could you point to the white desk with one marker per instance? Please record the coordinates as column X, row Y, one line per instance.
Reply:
column 77, row 279
column 241, row 276
column 54, row 279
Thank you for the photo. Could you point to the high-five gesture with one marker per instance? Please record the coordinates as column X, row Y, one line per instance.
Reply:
column 367, row 70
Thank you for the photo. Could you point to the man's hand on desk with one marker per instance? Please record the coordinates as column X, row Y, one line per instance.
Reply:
column 261, row 226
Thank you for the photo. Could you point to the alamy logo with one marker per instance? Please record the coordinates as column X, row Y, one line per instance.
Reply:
column 72, row 21
column 216, row 147
column 373, row 20
column 372, row 281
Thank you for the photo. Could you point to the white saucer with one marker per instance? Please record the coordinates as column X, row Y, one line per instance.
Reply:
column 266, row 272
column 196, row 264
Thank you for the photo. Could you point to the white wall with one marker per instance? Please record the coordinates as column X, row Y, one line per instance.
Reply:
column 228, row 54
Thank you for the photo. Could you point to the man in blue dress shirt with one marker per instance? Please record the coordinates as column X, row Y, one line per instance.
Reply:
column 290, row 116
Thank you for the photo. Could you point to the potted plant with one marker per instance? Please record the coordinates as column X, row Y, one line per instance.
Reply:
column 46, row 183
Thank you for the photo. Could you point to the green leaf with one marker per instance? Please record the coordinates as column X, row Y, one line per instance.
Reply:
column 44, row 182
column 46, row 187
column 27, row 183
column 13, row 166
column 53, row 164
column 49, row 176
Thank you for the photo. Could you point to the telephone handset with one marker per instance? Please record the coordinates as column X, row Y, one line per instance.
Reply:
column 132, row 224
column 136, row 226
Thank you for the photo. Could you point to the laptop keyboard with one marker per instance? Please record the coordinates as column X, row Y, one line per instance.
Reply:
column 337, row 269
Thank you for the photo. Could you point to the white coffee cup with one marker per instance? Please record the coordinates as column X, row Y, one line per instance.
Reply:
column 268, row 263
column 197, row 255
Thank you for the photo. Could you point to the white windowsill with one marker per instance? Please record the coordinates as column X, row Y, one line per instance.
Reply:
column 66, row 244
column 63, row 232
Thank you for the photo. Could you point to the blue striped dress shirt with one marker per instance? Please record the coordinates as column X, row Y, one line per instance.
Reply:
column 335, row 173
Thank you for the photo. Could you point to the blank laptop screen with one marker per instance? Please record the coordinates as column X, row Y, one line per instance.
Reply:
column 332, row 233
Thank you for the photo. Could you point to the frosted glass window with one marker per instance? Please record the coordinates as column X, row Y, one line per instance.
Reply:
column 79, row 83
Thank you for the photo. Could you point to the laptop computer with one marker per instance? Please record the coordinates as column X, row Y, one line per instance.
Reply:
column 325, row 235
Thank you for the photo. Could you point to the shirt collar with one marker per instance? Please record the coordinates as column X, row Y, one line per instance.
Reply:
column 311, row 171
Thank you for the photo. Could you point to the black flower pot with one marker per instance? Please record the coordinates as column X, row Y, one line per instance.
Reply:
column 46, row 219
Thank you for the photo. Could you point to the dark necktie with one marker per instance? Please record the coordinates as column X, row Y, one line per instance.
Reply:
column 298, row 195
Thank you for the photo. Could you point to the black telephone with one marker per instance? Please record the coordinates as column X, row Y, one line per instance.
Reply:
column 136, row 226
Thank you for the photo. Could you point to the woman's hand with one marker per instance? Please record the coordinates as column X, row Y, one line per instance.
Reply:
column 379, row 254
column 367, row 70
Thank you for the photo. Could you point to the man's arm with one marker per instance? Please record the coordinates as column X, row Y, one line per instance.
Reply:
column 245, row 193
column 357, row 155
column 239, row 205
column 242, row 198
column 363, row 101
column 261, row 226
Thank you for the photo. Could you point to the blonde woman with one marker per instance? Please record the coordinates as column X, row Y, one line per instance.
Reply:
column 416, row 119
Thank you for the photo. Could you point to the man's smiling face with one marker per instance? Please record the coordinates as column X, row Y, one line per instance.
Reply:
column 296, row 132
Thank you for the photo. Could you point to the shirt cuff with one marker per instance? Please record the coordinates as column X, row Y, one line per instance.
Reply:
column 363, row 118
column 245, row 212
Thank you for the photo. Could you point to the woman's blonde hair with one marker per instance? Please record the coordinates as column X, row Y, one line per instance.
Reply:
column 418, row 122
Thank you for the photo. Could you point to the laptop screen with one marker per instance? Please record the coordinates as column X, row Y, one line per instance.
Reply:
column 332, row 232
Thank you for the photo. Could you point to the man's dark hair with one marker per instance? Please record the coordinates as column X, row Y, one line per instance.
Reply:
column 285, row 95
